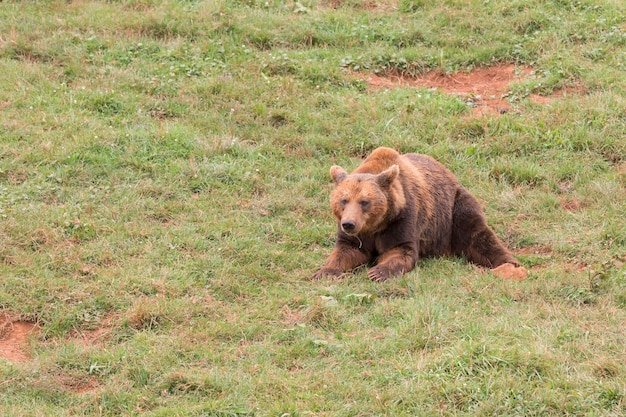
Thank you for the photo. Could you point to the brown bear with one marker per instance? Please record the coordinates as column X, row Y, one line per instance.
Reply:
column 394, row 209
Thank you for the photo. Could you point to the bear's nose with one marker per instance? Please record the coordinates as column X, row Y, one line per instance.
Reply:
column 348, row 226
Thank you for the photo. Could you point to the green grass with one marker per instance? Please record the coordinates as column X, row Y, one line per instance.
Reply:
column 164, row 202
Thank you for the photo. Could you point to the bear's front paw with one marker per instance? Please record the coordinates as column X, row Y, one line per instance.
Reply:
column 379, row 273
column 327, row 273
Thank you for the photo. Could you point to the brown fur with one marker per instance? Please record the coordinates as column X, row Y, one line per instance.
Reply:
column 394, row 209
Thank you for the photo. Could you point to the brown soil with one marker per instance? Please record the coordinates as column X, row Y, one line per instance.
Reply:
column 510, row 271
column 14, row 336
column 79, row 385
column 484, row 88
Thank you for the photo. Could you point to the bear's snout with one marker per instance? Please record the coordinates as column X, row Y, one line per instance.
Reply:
column 348, row 226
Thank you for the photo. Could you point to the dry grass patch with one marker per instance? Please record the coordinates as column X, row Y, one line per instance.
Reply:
column 369, row 5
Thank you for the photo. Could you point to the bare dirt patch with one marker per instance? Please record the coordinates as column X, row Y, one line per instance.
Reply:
column 485, row 89
column 79, row 385
column 510, row 272
column 14, row 334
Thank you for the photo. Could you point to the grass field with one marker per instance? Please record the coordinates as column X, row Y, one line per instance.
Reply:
column 164, row 203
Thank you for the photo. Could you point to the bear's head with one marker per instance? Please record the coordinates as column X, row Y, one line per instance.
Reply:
column 361, row 201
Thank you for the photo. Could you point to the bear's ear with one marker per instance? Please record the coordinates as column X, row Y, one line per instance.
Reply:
column 338, row 173
column 385, row 178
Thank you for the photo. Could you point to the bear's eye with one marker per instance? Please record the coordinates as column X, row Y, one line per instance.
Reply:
column 364, row 204
column 343, row 201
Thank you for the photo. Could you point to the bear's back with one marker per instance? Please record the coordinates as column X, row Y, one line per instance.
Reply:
column 435, row 196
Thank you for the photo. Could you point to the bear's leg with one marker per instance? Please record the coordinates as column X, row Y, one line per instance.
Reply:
column 472, row 237
column 394, row 262
column 342, row 259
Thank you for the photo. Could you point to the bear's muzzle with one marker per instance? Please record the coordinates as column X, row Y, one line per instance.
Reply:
column 348, row 226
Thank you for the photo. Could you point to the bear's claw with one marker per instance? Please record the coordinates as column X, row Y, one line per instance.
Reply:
column 378, row 274
column 327, row 273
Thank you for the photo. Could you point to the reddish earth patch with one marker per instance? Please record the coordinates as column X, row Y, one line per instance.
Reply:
column 485, row 88
column 510, row 271
column 14, row 336
column 79, row 385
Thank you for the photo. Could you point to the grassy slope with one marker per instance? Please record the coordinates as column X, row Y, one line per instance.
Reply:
column 164, row 181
